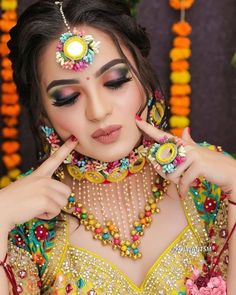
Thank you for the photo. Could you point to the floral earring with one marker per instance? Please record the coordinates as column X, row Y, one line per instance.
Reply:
column 54, row 143
column 156, row 106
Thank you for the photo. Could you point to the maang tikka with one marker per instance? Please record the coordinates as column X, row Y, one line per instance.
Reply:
column 75, row 50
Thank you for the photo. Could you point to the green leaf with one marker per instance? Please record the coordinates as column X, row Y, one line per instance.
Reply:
column 233, row 61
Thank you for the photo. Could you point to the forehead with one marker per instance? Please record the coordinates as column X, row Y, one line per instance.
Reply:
column 50, row 69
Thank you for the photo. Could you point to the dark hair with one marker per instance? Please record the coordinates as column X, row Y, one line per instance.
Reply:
column 42, row 23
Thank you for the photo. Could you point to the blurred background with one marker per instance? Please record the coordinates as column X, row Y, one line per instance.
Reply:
column 211, row 114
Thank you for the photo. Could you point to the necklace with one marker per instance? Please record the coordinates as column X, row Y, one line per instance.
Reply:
column 82, row 167
column 112, row 228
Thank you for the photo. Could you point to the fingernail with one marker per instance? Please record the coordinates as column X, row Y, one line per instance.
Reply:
column 137, row 117
column 73, row 138
column 189, row 130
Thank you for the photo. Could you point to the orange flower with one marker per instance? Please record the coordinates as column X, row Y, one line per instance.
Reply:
column 10, row 147
column 6, row 63
column 177, row 131
column 9, row 87
column 179, row 65
column 7, row 75
column 5, row 26
column 9, row 15
column 5, row 38
column 182, row 28
column 11, row 121
column 10, row 110
column 181, row 4
column 182, row 42
column 180, row 101
column 180, row 111
column 4, row 50
column 9, row 132
column 11, row 161
column 177, row 89
column 10, row 98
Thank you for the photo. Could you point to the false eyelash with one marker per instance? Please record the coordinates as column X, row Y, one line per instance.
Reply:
column 68, row 100
column 116, row 84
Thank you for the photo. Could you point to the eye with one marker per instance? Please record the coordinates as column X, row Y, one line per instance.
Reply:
column 59, row 100
column 118, row 83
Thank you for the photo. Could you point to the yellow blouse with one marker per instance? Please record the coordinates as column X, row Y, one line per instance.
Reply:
column 44, row 262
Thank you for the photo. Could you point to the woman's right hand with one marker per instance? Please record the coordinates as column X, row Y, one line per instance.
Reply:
column 36, row 195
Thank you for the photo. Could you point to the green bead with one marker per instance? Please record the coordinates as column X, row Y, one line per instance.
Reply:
column 181, row 293
column 84, row 215
column 106, row 236
column 138, row 228
column 71, row 199
column 136, row 251
column 80, row 283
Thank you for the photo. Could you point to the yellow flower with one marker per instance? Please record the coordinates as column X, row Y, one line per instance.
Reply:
column 182, row 77
column 13, row 174
column 180, row 53
column 179, row 122
column 4, row 181
column 8, row 5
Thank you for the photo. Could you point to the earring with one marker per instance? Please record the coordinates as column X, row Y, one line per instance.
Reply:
column 54, row 143
column 156, row 106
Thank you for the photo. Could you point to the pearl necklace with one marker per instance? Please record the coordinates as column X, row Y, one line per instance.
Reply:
column 112, row 230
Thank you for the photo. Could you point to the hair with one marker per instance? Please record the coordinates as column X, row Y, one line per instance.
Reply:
column 42, row 22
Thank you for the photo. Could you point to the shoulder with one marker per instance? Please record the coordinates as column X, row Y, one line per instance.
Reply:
column 36, row 237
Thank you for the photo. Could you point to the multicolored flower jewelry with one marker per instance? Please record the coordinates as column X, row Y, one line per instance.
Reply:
column 75, row 51
column 109, row 234
column 80, row 167
column 167, row 154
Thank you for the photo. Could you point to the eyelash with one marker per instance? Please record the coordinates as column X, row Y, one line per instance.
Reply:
column 71, row 99
column 67, row 100
column 116, row 84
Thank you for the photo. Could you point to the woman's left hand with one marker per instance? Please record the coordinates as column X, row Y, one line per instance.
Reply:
column 200, row 162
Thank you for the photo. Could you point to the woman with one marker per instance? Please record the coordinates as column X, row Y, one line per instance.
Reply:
column 82, row 72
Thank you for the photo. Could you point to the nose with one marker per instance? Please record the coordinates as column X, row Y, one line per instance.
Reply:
column 98, row 107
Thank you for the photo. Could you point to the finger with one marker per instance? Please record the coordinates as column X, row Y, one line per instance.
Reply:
column 175, row 176
column 188, row 178
column 186, row 136
column 60, row 187
column 52, row 163
column 58, row 197
column 52, row 210
column 152, row 131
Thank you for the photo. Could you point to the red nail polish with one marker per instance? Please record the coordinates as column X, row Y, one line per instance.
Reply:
column 189, row 130
column 137, row 117
column 73, row 138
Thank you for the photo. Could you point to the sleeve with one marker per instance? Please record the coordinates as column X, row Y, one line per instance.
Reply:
column 25, row 271
column 212, row 207
column 30, row 246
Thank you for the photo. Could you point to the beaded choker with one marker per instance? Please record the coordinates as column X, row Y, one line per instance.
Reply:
column 81, row 167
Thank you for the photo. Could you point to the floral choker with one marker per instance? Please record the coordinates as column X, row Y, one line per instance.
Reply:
column 82, row 167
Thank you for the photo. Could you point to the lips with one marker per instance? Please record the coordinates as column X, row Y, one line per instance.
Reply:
column 105, row 131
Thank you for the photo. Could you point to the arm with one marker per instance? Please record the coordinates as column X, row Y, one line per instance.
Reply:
column 231, row 283
column 4, row 289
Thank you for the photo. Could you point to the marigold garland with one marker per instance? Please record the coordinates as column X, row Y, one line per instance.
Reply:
column 180, row 76
column 10, row 107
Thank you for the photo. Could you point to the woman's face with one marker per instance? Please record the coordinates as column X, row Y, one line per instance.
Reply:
column 97, row 105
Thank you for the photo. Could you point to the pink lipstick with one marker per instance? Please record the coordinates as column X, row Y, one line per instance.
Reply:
column 107, row 135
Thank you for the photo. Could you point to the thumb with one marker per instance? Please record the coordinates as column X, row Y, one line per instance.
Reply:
column 186, row 135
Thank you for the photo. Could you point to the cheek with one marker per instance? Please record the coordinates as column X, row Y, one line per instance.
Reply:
column 66, row 123
column 132, row 102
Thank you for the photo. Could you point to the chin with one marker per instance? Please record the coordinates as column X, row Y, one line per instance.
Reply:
column 111, row 153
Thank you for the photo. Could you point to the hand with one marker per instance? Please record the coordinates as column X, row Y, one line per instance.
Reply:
column 36, row 195
column 200, row 162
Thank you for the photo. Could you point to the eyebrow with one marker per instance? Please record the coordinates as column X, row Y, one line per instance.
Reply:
column 102, row 70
